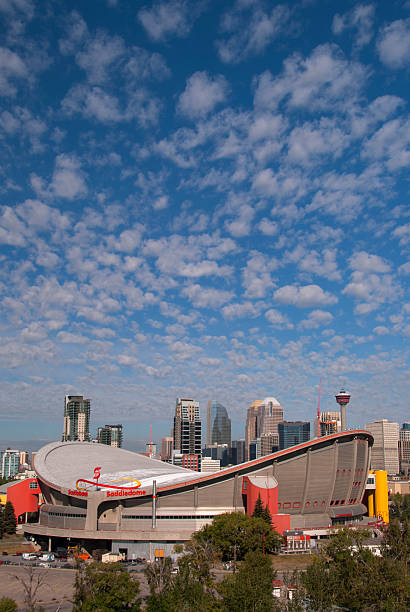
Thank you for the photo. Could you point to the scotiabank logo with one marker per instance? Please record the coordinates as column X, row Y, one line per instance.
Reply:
column 78, row 493
column 123, row 493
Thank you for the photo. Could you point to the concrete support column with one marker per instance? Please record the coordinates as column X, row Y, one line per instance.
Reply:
column 154, row 504
column 49, row 545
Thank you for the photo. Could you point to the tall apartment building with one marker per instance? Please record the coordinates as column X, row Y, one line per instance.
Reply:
column 330, row 423
column 166, row 448
column 187, row 433
column 270, row 414
column 385, row 450
column 76, row 418
column 218, row 424
column 251, row 428
column 24, row 460
column 292, row 433
column 404, row 449
column 9, row 463
column 111, row 435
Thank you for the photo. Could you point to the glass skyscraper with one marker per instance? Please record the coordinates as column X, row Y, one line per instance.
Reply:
column 292, row 433
column 218, row 424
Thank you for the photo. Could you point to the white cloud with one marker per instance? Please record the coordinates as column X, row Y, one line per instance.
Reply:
column 161, row 203
column 267, row 227
column 367, row 262
column 250, row 34
column 305, row 296
column 391, row 143
column 68, row 179
column 310, row 140
column 202, row 93
column 76, row 33
column 324, row 80
column 241, row 225
column 277, row 319
column 360, row 19
column 203, row 297
column 393, row 44
column 316, row 319
column 322, row 264
column 402, row 232
column 11, row 67
column 100, row 56
column 381, row 330
column 210, row 362
column 69, row 338
column 257, row 278
column 241, row 311
column 164, row 20
column 371, row 282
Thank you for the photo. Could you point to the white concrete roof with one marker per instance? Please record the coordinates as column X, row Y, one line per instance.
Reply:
column 62, row 463
column 272, row 400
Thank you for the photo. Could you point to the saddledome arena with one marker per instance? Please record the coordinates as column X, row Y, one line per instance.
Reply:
column 314, row 484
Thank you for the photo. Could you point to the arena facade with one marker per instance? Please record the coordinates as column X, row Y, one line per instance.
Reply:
column 106, row 497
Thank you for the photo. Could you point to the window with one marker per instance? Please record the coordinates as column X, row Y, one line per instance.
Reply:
column 33, row 485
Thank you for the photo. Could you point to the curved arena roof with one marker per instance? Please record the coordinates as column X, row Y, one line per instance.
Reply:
column 61, row 464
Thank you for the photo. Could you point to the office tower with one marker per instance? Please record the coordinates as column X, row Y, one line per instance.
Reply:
column 9, row 462
column 187, row 432
column 330, row 423
column 385, row 451
column 76, row 418
column 218, row 424
column 166, row 448
column 251, row 428
column 218, row 452
column 254, row 449
column 292, row 433
column 404, row 449
column 269, row 443
column 111, row 435
column 237, row 452
column 270, row 414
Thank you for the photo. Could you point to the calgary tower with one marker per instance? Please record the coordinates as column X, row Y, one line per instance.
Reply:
column 343, row 398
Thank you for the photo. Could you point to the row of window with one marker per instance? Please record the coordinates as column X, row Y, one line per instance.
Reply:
column 195, row 517
column 67, row 515
column 337, row 502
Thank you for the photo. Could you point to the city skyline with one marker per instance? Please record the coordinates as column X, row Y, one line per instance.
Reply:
column 204, row 200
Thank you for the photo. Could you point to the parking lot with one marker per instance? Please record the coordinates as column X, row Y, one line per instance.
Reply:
column 56, row 577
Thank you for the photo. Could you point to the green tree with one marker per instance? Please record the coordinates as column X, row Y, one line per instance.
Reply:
column 159, row 575
column 9, row 519
column 192, row 589
column 106, row 587
column 400, row 507
column 346, row 574
column 261, row 511
column 234, row 534
column 258, row 509
column 7, row 605
column 250, row 589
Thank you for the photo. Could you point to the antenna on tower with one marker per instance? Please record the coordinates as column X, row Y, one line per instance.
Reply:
column 318, row 408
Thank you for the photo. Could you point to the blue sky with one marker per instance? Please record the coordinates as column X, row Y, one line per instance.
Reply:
column 205, row 199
